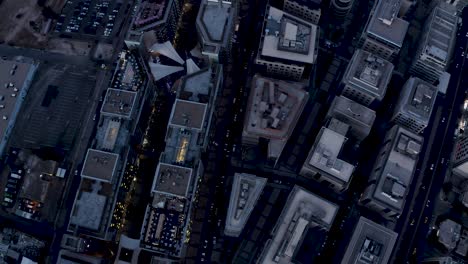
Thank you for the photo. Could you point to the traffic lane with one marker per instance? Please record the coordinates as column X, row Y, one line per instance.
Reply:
column 449, row 129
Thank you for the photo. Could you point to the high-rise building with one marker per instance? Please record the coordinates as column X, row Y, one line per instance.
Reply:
column 415, row 104
column 308, row 10
column 288, row 45
column 165, row 225
column 305, row 217
column 95, row 205
column 359, row 118
column 460, row 160
column 437, row 43
column 366, row 78
column 215, row 23
column 153, row 21
column 385, row 30
column 273, row 109
column 324, row 163
column 370, row 243
column 458, row 4
column 393, row 173
column 341, row 8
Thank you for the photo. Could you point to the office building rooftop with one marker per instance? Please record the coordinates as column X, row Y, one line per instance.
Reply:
column 303, row 211
column 324, row 154
column 172, row 180
column 274, row 107
column 385, row 23
column 119, row 103
column 358, row 117
column 246, row 190
column 188, row 114
column 288, row 37
column 215, row 21
column 15, row 78
column 99, row 165
column 370, row 243
column 440, row 36
column 417, row 99
column 397, row 174
column 369, row 73
column 449, row 234
column 200, row 86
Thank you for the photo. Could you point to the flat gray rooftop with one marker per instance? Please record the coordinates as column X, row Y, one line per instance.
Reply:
column 324, row 155
column 89, row 208
column 188, row 114
column 397, row 174
column 246, row 190
column 355, row 112
column 215, row 20
column 119, row 103
column 99, row 165
column 370, row 243
column 385, row 23
column 15, row 78
column 304, row 208
column 197, row 84
column 368, row 73
column 172, row 180
column 288, row 37
column 274, row 107
column 417, row 99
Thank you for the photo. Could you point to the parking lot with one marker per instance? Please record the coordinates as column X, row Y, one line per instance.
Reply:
column 93, row 18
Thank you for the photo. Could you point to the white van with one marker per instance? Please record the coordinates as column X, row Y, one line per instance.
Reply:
column 16, row 176
column 6, row 199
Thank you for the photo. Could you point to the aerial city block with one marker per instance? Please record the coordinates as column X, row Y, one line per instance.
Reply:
column 233, row 131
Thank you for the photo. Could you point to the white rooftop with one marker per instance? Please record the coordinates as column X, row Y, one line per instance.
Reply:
column 301, row 204
column 246, row 190
column 167, row 50
column 325, row 155
column 288, row 37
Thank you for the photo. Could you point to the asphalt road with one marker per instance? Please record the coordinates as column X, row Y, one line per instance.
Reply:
column 413, row 229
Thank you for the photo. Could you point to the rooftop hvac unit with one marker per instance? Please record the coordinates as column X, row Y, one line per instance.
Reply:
column 5, row 117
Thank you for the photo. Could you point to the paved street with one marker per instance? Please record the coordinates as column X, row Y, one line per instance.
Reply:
column 439, row 144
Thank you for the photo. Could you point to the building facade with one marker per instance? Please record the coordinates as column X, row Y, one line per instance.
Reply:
column 392, row 173
column 324, row 162
column 436, row 48
column 415, row 104
column 153, row 21
column 366, row 78
column 288, row 46
column 307, row 10
column 341, row 8
column 215, row 23
column 370, row 243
